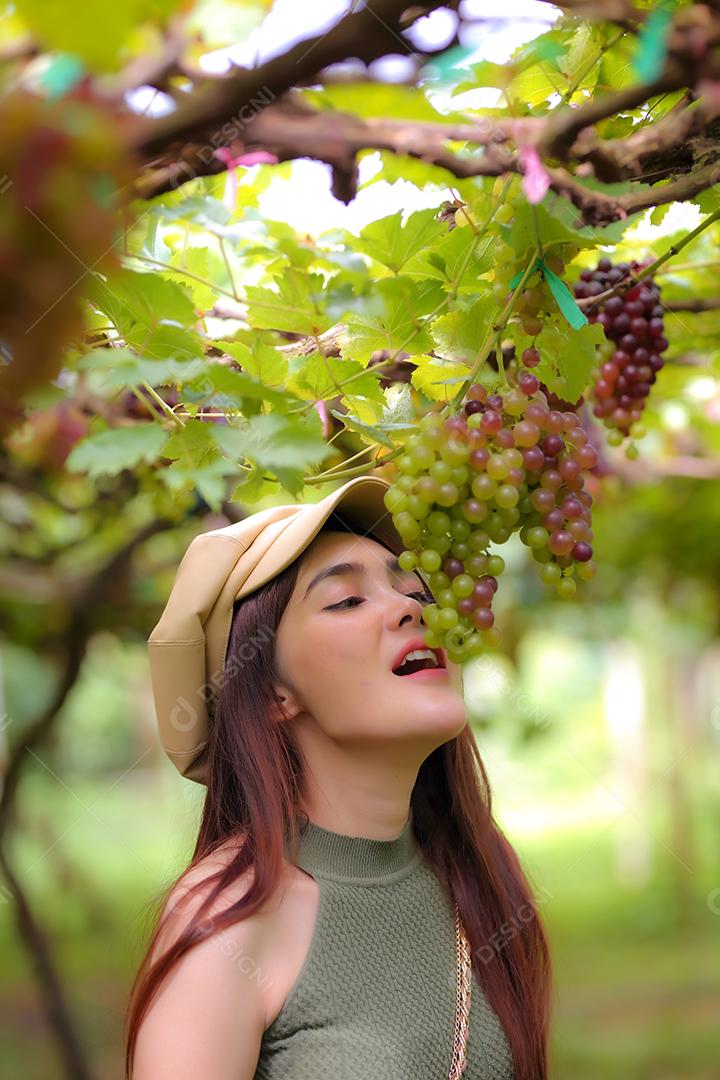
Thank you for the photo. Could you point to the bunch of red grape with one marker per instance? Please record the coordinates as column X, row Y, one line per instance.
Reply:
column 634, row 323
column 506, row 463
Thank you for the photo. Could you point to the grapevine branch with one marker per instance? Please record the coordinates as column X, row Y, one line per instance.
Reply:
column 651, row 269
column 290, row 130
column 255, row 109
column 366, row 34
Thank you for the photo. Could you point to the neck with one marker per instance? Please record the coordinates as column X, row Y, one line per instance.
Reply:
column 359, row 797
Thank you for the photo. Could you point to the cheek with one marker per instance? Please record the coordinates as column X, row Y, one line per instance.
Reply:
column 456, row 676
column 320, row 658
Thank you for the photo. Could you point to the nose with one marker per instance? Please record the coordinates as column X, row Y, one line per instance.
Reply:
column 402, row 609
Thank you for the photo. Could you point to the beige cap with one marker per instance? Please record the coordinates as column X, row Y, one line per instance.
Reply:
column 187, row 647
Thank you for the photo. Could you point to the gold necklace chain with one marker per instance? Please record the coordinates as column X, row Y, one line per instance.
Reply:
column 462, row 1006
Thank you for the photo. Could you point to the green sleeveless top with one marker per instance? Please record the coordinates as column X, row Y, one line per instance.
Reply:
column 375, row 998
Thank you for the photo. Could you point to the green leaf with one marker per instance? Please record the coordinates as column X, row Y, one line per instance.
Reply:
column 460, row 334
column 658, row 215
column 567, row 357
column 122, row 367
column 264, row 362
column 437, row 378
column 379, row 100
column 197, row 261
column 486, row 73
column 98, row 36
column 549, row 46
column 137, row 304
column 585, row 46
column 317, row 378
column 236, row 386
column 220, row 23
column 396, row 329
column 536, row 83
column 370, row 432
column 293, row 307
column 283, row 445
column 615, row 69
column 392, row 242
column 255, row 486
column 193, row 445
column 209, row 480
column 553, row 231
column 402, row 168
column 449, row 259
column 560, row 219
column 399, row 411
column 109, row 452
column 708, row 200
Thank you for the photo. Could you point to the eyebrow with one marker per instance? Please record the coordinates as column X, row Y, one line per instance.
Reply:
column 392, row 565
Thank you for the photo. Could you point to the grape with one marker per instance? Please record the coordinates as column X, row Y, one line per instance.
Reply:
column 505, row 463
column 634, row 324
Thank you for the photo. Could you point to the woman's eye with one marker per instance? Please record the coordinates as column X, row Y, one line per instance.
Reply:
column 348, row 601
column 344, row 603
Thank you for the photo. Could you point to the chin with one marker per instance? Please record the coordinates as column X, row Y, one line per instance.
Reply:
column 445, row 714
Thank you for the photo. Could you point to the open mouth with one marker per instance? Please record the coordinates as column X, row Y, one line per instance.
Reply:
column 420, row 659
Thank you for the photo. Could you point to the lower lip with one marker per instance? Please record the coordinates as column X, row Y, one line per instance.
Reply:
column 427, row 673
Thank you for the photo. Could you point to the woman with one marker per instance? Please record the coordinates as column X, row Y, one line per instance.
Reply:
column 351, row 909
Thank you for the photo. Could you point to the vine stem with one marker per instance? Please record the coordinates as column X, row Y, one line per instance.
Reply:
column 163, row 404
column 358, row 470
column 648, row 271
column 184, row 273
column 493, row 336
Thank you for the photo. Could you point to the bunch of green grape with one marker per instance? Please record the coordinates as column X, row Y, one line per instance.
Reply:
column 505, row 463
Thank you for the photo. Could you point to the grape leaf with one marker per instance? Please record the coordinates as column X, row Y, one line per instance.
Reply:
column 392, row 242
column 235, row 386
column 379, row 99
column 210, row 479
column 460, row 334
column 450, row 259
column 399, row 409
column 283, row 445
column 99, row 36
column 318, row 377
column 396, row 328
column 370, row 432
column 292, row 307
column 108, row 452
column 193, row 445
column 137, row 302
column 437, row 378
column 122, row 367
column 567, row 357
column 264, row 362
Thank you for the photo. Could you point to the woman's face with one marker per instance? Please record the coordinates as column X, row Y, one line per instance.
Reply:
column 339, row 638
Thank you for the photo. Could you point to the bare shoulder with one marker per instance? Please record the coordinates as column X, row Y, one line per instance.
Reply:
column 268, row 947
column 213, row 1006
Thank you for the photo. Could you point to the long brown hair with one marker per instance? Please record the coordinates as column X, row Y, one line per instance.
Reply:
column 255, row 782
